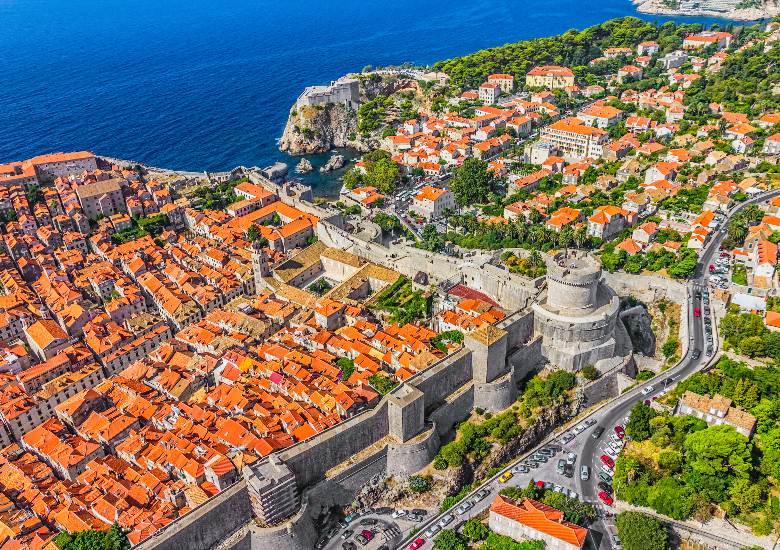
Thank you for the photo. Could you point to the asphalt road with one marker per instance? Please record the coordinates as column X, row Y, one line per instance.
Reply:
column 589, row 450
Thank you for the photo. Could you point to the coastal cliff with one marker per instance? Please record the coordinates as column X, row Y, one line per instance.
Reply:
column 320, row 128
column 312, row 129
column 740, row 10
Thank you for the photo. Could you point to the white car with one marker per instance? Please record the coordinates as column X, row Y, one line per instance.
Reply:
column 446, row 520
column 571, row 458
column 398, row 514
column 431, row 531
column 464, row 507
column 648, row 390
column 572, row 493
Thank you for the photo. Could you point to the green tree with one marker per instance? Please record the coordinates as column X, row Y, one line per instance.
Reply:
column 383, row 174
column 719, row 451
column 352, row 178
column 638, row 426
column 472, row 182
column 475, row 530
column 638, row 531
column 449, row 539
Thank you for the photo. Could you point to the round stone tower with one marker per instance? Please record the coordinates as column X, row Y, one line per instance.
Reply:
column 577, row 317
column 573, row 282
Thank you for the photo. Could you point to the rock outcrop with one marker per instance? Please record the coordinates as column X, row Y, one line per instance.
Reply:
column 318, row 129
column 763, row 9
column 304, row 166
column 639, row 323
column 334, row 163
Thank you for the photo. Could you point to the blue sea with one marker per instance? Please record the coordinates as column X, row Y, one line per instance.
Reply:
column 207, row 85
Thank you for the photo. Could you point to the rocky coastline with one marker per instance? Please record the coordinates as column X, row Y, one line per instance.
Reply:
column 315, row 129
column 766, row 10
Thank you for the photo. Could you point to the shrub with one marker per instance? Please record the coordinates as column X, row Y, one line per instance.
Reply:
column 420, row 484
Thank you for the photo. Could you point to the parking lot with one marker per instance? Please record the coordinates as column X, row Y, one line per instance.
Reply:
column 566, row 480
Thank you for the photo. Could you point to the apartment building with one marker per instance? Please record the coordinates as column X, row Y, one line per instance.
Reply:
column 575, row 139
column 549, row 76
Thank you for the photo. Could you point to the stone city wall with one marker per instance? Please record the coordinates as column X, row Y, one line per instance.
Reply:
column 404, row 459
column 519, row 327
column 646, row 288
column 444, row 378
column 527, row 359
column 206, row 525
column 509, row 290
column 310, row 459
column 455, row 409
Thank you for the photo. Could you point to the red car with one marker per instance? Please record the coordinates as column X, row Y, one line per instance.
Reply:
column 696, row 312
column 605, row 498
column 712, row 268
column 368, row 535
column 608, row 462
column 620, row 432
column 417, row 543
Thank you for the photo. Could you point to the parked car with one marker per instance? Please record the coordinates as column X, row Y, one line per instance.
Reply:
column 465, row 506
column 398, row 514
column 349, row 545
column 590, row 422
column 446, row 520
column 561, row 466
column 369, row 521
column 346, row 534
column 568, row 470
column 604, row 486
column 620, row 431
column 605, row 477
column 431, row 531
column 481, row 494
column 416, row 543
column 571, row 458
column 584, row 473
column 606, row 461
column 506, row 476
column 605, row 498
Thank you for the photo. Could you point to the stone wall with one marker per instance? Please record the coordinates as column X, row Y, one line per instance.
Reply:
column 497, row 395
column 205, row 526
column 511, row 291
column 526, row 360
column 310, row 459
column 404, row 459
column 646, row 288
column 444, row 378
column 297, row 533
column 519, row 328
column 456, row 409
